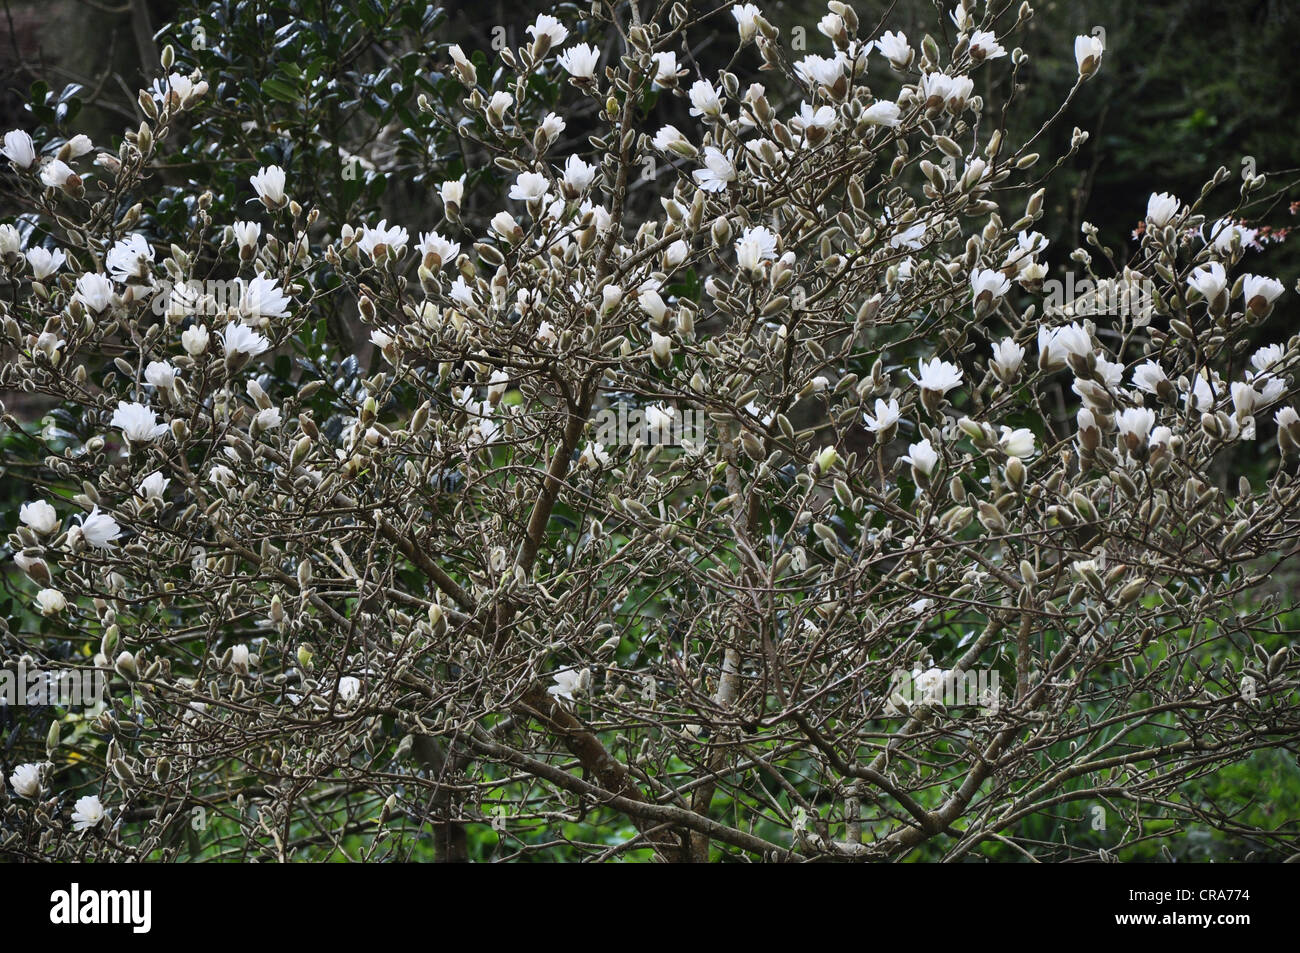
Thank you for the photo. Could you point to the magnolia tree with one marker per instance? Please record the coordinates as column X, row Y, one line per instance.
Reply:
column 745, row 489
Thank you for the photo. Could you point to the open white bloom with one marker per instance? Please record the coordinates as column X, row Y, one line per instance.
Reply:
column 221, row 474
column 247, row 234
column 94, row 291
column 268, row 183
column 547, row 32
column 19, row 149
column 815, row 123
column 241, row 339
column 578, row 175
column 78, row 146
column 1148, row 377
column 1135, row 425
column 1018, row 442
column 887, row 415
column 984, row 45
column 1087, row 54
column 1007, row 358
column 1074, row 339
column 827, row 72
column 99, row 529
column 567, row 682
column 1209, row 279
column 580, row 61
column 718, row 171
column 268, row 418
column 529, row 186
column 928, row 685
column 153, row 486
column 261, row 297
column 755, row 245
column 894, row 47
column 44, row 262
column 593, row 456
column 922, row 456
column 1259, row 292
column 444, row 250
column 937, row 375
column 382, row 241
column 39, row 516
column 160, row 374
column 1228, row 235
column 987, row 285
column 26, row 780
column 670, row 139
column 883, row 113
column 137, row 422
column 1267, row 357
column 705, row 100
column 129, row 258
column 747, row 19
column 1162, row 208
column 51, row 602
column 195, row 340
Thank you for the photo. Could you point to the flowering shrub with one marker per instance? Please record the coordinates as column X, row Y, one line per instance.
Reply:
column 949, row 555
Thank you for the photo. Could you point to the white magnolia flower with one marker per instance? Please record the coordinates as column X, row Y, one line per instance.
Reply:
column 261, row 297
column 153, row 486
column 1135, row 424
column 1018, row 443
column 567, row 682
column 137, row 422
column 755, row 245
column 547, row 32
column 937, row 375
column 747, row 19
column 883, row 113
column 593, row 456
column 652, row 303
column 26, row 780
column 1209, row 279
column 247, row 234
column 670, row 139
column 1228, row 235
column 984, row 45
column 887, row 416
column 78, row 146
column 452, row 191
column 922, row 456
column 529, row 186
column 1007, row 358
column 87, row 812
column 195, row 340
column 894, row 47
column 1073, row 339
column 822, row 71
column 465, row 70
column 160, row 374
column 241, row 339
column 349, row 688
column 39, row 516
column 10, row 241
column 50, row 602
column 718, row 171
column 578, row 175
column 580, row 61
column 1087, row 54
column 928, row 685
column 268, row 183
column 665, row 68
column 498, row 104
column 432, row 243
column 99, row 529
column 1162, row 208
column 94, row 291
column 1267, row 357
column 129, row 258
column 815, row 123
column 19, row 149
column 1259, row 292
column 1148, row 377
column 382, row 241
column 44, row 262
column 705, row 100
column 268, row 418
column 57, row 174
column 987, row 285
